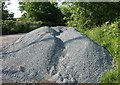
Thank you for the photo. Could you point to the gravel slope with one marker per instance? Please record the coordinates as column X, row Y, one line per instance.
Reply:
column 59, row 54
column 8, row 38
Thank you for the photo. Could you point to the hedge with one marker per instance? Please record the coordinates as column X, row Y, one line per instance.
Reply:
column 13, row 27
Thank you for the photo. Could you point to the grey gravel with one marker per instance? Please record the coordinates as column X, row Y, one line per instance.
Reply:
column 59, row 54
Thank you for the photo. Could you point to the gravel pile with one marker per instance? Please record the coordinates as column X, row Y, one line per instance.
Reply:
column 59, row 54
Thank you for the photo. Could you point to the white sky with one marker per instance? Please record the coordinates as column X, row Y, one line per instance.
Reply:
column 13, row 7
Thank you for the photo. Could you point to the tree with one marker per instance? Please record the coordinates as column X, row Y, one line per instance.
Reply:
column 5, row 13
column 89, row 14
column 42, row 11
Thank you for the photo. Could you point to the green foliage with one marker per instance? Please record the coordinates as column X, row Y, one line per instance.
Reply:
column 41, row 11
column 6, row 25
column 110, row 77
column 12, row 27
column 5, row 13
column 88, row 14
column 108, row 37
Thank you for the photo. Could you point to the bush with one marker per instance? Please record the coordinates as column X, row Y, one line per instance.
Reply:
column 12, row 27
column 88, row 15
column 7, row 25
column 23, row 27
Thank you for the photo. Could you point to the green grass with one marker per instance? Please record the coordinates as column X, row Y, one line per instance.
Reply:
column 108, row 37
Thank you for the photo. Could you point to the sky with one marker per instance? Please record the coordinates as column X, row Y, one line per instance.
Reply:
column 14, row 7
